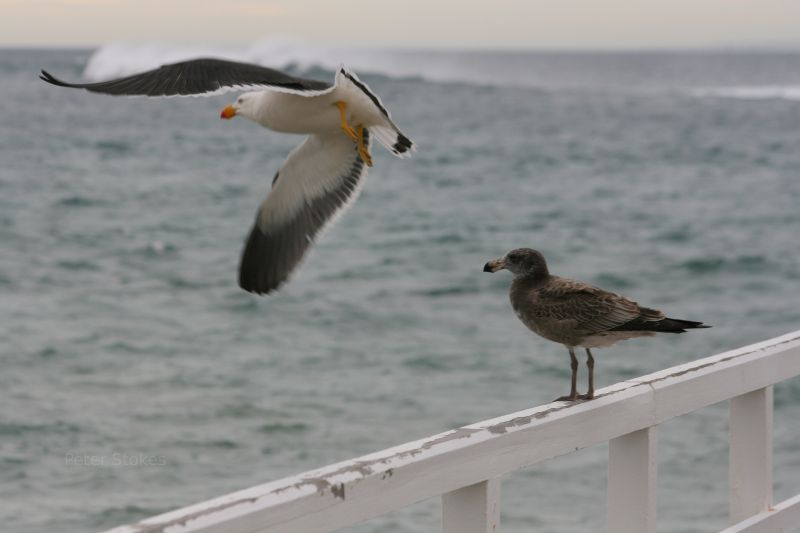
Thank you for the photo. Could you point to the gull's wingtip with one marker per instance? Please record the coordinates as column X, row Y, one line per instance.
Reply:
column 52, row 80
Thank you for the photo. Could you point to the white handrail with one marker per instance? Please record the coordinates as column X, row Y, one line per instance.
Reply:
column 463, row 465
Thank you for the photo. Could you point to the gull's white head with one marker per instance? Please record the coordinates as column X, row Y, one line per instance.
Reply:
column 245, row 105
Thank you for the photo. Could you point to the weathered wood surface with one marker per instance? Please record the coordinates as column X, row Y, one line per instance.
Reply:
column 351, row 491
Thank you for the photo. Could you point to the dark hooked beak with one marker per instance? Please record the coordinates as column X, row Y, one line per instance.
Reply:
column 494, row 265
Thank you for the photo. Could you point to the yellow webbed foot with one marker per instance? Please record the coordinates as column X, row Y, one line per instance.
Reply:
column 362, row 150
column 349, row 131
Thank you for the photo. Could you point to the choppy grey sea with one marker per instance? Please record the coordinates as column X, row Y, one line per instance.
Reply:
column 136, row 377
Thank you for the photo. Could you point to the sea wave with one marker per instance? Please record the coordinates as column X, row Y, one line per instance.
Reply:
column 543, row 71
column 438, row 66
column 121, row 59
column 752, row 92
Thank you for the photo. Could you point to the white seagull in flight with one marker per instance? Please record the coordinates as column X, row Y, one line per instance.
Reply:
column 318, row 179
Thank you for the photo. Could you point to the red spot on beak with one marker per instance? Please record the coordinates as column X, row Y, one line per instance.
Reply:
column 228, row 112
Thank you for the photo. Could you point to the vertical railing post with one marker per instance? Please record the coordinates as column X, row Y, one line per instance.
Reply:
column 472, row 509
column 632, row 482
column 750, row 454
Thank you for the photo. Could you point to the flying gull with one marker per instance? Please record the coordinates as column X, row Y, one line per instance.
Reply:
column 575, row 314
column 318, row 179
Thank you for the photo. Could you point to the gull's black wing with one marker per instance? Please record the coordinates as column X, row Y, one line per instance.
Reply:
column 199, row 77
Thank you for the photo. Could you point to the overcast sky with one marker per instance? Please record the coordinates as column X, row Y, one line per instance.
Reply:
column 559, row 24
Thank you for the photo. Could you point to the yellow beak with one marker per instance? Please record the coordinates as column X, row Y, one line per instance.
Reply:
column 228, row 112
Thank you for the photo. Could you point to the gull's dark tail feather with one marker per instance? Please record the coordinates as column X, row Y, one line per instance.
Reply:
column 666, row 325
column 393, row 139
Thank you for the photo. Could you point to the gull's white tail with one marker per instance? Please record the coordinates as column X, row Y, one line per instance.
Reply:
column 379, row 120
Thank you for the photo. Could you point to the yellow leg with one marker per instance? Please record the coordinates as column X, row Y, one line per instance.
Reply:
column 362, row 150
column 345, row 126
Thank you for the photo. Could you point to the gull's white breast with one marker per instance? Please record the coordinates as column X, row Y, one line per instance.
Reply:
column 293, row 113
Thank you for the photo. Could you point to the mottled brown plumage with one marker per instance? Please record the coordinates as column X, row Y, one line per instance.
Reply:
column 574, row 313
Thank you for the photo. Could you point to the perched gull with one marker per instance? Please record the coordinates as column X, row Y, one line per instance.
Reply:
column 319, row 178
column 577, row 314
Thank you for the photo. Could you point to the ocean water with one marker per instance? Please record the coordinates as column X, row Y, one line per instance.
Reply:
column 125, row 343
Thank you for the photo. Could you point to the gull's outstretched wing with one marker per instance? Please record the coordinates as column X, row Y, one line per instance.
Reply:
column 321, row 177
column 199, row 77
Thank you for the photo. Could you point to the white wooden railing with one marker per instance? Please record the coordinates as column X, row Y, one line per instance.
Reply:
column 464, row 465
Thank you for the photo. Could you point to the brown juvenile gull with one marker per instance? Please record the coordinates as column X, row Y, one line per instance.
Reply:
column 574, row 313
column 319, row 178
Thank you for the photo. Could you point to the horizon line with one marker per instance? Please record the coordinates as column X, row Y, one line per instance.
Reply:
column 718, row 48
